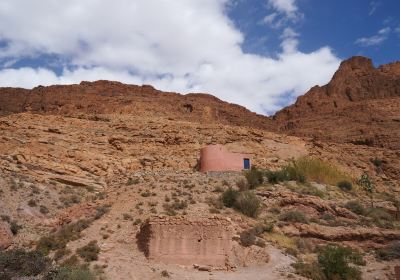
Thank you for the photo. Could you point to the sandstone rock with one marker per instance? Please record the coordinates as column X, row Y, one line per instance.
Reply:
column 359, row 101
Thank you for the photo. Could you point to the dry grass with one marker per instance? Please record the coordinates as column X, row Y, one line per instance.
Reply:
column 316, row 170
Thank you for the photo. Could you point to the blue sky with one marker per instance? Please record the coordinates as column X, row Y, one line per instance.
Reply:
column 261, row 54
column 338, row 24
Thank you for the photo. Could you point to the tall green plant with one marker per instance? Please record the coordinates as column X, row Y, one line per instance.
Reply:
column 367, row 185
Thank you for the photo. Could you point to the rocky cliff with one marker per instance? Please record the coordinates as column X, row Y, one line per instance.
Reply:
column 104, row 97
column 360, row 105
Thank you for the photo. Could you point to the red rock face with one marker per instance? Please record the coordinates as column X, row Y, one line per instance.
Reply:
column 360, row 105
column 104, row 97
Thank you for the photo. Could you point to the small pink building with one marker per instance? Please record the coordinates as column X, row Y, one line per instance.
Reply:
column 218, row 158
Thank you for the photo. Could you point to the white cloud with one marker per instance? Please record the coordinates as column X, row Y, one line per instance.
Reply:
column 373, row 6
column 288, row 7
column 184, row 46
column 376, row 39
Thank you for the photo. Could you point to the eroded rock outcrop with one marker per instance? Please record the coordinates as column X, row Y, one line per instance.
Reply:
column 360, row 105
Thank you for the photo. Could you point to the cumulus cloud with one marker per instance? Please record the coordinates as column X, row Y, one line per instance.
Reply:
column 376, row 39
column 184, row 46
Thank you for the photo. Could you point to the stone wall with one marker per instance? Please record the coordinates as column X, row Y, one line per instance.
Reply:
column 187, row 242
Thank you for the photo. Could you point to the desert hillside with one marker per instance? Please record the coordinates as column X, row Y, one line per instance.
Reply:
column 360, row 105
column 98, row 178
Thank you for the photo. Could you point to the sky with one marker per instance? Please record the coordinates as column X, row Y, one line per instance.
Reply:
column 261, row 54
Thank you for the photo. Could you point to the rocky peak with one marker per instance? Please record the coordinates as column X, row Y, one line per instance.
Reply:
column 358, row 97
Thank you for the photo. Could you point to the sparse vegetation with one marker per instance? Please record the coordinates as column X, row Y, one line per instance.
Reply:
column 367, row 185
column 172, row 207
column 389, row 252
column 20, row 263
column 294, row 216
column 43, row 209
column 242, row 184
column 340, row 262
column 15, row 227
column 254, row 177
column 89, row 252
column 59, row 239
column 229, row 197
column 355, row 207
column 345, row 185
column 333, row 263
column 70, row 273
column 247, row 203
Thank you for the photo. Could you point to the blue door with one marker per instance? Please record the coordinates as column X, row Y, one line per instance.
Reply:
column 246, row 163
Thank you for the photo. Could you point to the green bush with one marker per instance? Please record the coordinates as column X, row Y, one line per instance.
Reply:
column 59, row 239
column 345, row 185
column 275, row 177
column 390, row 252
column 254, row 177
column 19, row 263
column 355, row 207
column 229, row 196
column 294, row 216
column 70, row 273
column 247, row 203
column 89, row 252
column 309, row 270
column 335, row 260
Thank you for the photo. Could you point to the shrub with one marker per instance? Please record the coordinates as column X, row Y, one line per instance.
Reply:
column 43, row 209
column 101, row 211
column 248, row 238
column 390, row 252
column 14, row 227
column 127, row 217
column 59, row 239
column 247, row 203
column 254, row 177
column 19, row 263
column 314, row 170
column 335, row 260
column 170, row 208
column 380, row 217
column 345, row 185
column 294, row 216
column 367, row 185
column 377, row 162
column 355, row 207
column 229, row 196
column 89, row 252
column 242, row 184
column 309, row 270
column 275, row 177
column 32, row 203
column 60, row 253
column 218, row 189
column 70, row 273
column 164, row 273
